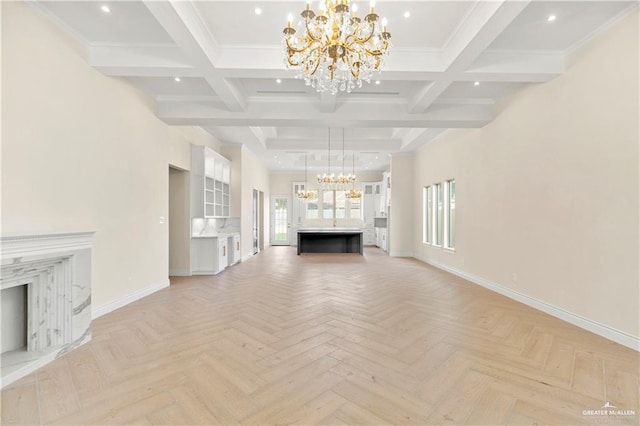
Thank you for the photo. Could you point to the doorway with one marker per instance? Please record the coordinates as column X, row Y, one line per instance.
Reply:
column 258, row 221
column 281, row 220
column 179, row 223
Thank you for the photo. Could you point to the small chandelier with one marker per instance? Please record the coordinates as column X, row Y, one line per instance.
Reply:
column 328, row 179
column 353, row 192
column 343, row 181
column 337, row 50
column 305, row 194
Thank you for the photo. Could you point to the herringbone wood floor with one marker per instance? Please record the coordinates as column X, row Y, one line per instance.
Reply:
column 329, row 339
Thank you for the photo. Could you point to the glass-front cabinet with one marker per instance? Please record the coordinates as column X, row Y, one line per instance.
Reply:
column 210, row 183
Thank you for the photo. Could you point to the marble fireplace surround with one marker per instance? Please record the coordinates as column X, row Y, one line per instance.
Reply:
column 56, row 268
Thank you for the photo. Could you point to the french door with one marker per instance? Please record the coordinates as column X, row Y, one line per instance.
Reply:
column 281, row 220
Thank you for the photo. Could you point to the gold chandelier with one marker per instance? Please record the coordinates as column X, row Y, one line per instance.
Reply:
column 330, row 180
column 305, row 194
column 353, row 192
column 337, row 50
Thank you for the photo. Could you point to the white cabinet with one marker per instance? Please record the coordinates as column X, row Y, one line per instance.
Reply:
column 233, row 245
column 368, row 204
column 223, row 253
column 369, row 236
column 377, row 200
column 381, row 238
column 208, row 255
column 382, row 201
column 210, row 183
column 386, row 190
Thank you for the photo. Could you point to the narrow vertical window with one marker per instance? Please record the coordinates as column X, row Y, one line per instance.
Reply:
column 438, row 217
column 451, row 214
column 312, row 206
column 341, row 204
column 427, row 207
column 355, row 208
column 328, row 204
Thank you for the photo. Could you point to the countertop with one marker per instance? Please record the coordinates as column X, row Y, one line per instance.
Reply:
column 330, row 230
column 218, row 235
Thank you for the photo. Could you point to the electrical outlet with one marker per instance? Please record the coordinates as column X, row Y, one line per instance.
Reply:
column 514, row 277
column 161, row 219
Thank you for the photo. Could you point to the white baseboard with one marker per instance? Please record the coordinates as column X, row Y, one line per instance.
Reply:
column 401, row 254
column 600, row 329
column 179, row 273
column 247, row 257
column 123, row 301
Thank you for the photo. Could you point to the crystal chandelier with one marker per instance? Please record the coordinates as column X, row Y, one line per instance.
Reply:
column 353, row 192
column 328, row 179
column 305, row 194
column 337, row 50
column 343, row 181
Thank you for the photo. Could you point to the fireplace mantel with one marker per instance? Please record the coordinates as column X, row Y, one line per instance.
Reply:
column 56, row 270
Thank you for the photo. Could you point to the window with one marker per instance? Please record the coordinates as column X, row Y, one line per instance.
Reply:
column 312, row 206
column 439, row 214
column 438, row 217
column 355, row 208
column 427, row 206
column 341, row 204
column 327, row 204
column 450, row 216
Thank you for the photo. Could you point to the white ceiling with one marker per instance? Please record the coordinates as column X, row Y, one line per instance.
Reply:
column 228, row 59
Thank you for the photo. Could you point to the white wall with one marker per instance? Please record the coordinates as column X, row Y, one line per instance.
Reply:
column 82, row 151
column 547, row 194
column 253, row 175
column 401, row 230
column 281, row 183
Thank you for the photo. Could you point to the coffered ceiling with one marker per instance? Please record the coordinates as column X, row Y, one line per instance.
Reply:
column 451, row 61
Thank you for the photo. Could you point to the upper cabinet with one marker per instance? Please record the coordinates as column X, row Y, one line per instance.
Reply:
column 368, row 204
column 210, row 183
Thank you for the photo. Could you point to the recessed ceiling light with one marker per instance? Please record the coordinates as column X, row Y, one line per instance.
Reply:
column 278, row 81
column 177, row 79
column 407, row 14
column 105, row 8
column 551, row 18
column 378, row 82
column 258, row 11
column 477, row 83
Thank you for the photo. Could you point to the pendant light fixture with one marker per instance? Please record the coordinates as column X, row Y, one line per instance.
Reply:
column 305, row 194
column 328, row 179
column 353, row 192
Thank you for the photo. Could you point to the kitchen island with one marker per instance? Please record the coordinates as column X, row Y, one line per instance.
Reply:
column 330, row 240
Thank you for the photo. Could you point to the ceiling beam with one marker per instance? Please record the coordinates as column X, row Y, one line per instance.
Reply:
column 480, row 28
column 132, row 61
column 185, row 26
column 356, row 145
column 301, row 114
column 327, row 102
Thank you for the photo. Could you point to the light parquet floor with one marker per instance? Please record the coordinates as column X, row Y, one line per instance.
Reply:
column 330, row 339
